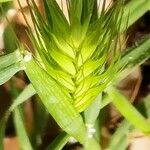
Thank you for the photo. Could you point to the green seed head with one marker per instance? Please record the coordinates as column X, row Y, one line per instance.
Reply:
column 75, row 50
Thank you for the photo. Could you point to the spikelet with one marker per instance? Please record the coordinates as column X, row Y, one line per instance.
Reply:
column 75, row 50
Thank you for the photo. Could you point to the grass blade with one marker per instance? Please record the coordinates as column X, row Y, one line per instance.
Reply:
column 133, row 11
column 40, row 117
column 24, row 95
column 8, row 72
column 18, row 122
column 12, row 63
column 2, row 132
column 59, row 142
column 119, row 138
column 56, row 101
column 128, row 111
column 137, row 55
column 58, row 104
column 9, row 59
column 28, row 92
column 133, row 58
column 21, row 131
column 3, row 1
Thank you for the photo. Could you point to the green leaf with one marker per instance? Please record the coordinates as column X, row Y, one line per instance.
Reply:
column 133, row 11
column 119, row 138
column 9, row 35
column 40, row 117
column 28, row 92
column 8, row 72
column 2, row 132
column 3, row 1
column 133, row 58
column 24, row 95
column 136, row 55
column 59, row 142
column 10, row 64
column 18, row 121
column 144, row 106
column 105, row 101
column 9, row 59
column 56, row 101
column 21, row 131
column 128, row 111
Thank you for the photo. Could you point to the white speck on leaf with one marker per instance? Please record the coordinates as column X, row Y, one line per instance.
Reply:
column 27, row 57
column 53, row 99
column 130, row 58
column 91, row 130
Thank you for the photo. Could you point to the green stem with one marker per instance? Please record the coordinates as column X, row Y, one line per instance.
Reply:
column 92, row 112
column 128, row 111
column 105, row 101
column 91, row 144
column 91, row 115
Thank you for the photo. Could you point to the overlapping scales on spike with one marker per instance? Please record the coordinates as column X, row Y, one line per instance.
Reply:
column 75, row 52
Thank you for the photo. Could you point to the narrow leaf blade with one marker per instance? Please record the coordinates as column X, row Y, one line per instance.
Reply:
column 128, row 111
column 21, row 131
column 56, row 101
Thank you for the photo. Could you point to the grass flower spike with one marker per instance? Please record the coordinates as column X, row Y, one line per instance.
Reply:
column 75, row 52
column 74, row 59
